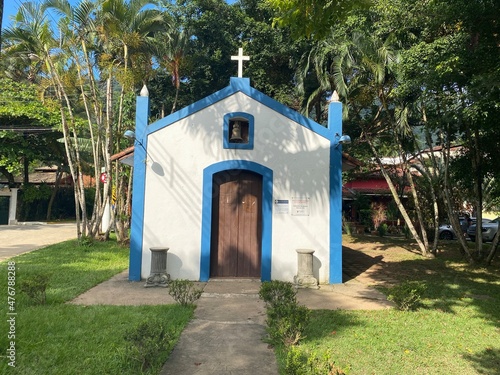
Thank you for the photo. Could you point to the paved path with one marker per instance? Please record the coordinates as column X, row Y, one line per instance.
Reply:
column 226, row 335
column 22, row 238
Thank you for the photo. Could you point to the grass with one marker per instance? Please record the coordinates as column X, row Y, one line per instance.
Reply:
column 456, row 332
column 60, row 338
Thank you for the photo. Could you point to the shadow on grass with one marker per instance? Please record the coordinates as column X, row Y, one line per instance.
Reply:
column 486, row 361
column 357, row 262
column 451, row 282
column 329, row 323
column 72, row 269
column 386, row 243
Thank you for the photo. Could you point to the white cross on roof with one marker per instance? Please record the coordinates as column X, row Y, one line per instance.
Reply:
column 240, row 59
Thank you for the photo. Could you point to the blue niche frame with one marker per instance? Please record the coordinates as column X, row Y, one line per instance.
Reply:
column 267, row 213
column 225, row 132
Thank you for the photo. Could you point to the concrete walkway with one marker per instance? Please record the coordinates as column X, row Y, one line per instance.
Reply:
column 25, row 237
column 227, row 332
column 226, row 335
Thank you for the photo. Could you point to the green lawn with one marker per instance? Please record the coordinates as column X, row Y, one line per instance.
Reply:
column 456, row 332
column 60, row 338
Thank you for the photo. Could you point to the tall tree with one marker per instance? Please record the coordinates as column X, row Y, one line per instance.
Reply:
column 450, row 65
column 29, row 129
column 98, row 42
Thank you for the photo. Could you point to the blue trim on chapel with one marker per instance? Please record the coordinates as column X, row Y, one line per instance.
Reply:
column 335, row 125
column 267, row 213
column 139, row 183
column 241, row 85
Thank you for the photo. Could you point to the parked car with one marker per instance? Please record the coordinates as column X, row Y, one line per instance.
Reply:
column 489, row 229
column 446, row 231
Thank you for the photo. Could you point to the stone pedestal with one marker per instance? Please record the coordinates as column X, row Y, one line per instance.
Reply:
column 158, row 275
column 305, row 277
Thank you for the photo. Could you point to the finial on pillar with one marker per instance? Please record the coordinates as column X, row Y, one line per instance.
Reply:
column 335, row 97
column 144, row 91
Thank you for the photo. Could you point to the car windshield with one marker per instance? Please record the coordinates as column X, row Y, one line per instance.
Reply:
column 497, row 220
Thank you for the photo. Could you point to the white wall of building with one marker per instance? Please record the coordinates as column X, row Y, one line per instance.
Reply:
column 177, row 156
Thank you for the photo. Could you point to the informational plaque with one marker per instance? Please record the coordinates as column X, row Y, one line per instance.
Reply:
column 300, row 206
column 281, row 206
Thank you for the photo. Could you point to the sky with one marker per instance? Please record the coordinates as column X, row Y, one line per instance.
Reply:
column 10, row 9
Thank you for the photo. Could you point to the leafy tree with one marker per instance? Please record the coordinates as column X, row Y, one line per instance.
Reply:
column 311, row 17
column 441, row 80
column 100, row 49
column 28, row 130
column 450, row 66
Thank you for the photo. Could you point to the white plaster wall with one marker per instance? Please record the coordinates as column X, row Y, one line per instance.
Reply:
column 178, row 154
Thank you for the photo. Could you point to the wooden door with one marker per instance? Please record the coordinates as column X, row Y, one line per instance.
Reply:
column 236, row 224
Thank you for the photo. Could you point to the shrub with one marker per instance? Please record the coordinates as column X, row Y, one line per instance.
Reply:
column 286, row 319
column 184, row 292
column 407, row 295
column 382, row 229
column 86, row 241
column 407, row 232
column 146, row 341
column 277, row 293
column 298, row 362
column 35, row 286
column 287, row 326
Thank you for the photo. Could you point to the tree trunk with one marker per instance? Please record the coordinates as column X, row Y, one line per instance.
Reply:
column 400, row 206
column 452, row 215
column 494, row 247
column 54, row 193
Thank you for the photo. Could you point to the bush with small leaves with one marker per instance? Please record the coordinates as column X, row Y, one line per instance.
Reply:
column 407, row 295
column 146, row 341
column 35, row 287
column 286, row 319
column 382, row 230
column 86, row 241
column 184, row 291
column 301, row 362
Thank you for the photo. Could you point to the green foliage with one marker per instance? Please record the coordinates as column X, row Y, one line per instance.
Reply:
column 35, row 286
column 147, row 340
column 407, row 232
column 313, row 18
column 27, row 127
column 382, row 229
column 365, row 217
column 184, row 291
column 286, row 319
column 300, row 362
column 86, row 241
column 408, row 295
column 33, row 192
column 277, row 293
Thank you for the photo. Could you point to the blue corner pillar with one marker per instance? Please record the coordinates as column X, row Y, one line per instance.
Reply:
column 138, row 186
column 335, row 125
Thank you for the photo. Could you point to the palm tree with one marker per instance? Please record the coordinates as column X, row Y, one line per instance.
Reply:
column 33, row 36
column 170, row 50
column 126, row 31
column 98, row 42
column 362, row 68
